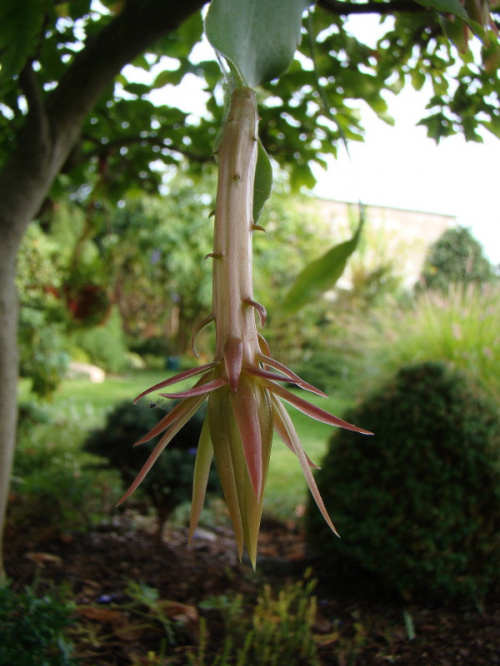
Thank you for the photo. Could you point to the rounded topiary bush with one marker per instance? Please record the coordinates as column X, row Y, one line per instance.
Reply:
column 169, row 482
column 417, row 504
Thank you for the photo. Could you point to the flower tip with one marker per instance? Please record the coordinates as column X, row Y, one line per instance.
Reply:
column 257, row 482
column 233, row 360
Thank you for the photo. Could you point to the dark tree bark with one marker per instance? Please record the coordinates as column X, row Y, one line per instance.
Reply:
column 43, row 144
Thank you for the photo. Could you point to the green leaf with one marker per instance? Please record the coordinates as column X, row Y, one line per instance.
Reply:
column 263, row 182
column 320, row 275
column 445, row 6
column 258, row 38
column 494, row 126
column 162, row 79
column 20, row 23
column 417, row 79
column 301, row 176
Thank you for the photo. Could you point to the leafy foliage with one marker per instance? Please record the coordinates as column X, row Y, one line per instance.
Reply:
column 103, row 345
column 417, row 504
column 33, row 628
column 126, row 133
column 158, row 247
column 278, row 630
column 43, row 354
column 50, row 487
column 169, row 482
column 262, row 38
column 320, row 275
column 460, row 327
column 455, row 258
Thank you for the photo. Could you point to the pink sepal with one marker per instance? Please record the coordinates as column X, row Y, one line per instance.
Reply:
column 178, row 378
column 166, row 439
column 281, row 412
column 295, row 379
column 246, row 413
column 202, row 389
column 313, row 411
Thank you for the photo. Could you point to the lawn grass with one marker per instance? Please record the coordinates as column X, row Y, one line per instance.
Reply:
column 80, row 405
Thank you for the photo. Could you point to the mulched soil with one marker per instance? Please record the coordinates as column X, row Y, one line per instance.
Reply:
column 358, row 623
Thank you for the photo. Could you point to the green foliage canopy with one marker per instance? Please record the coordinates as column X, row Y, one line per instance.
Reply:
column 126, row 133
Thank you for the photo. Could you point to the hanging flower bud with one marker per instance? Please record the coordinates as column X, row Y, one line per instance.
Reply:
column 241, row 383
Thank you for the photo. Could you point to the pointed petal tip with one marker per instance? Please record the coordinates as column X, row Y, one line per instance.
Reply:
column 314, row 412
column 290, row 376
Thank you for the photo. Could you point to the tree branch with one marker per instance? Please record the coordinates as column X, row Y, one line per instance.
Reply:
column 140, row 24
column 37, row 114
column 340, row 8
column 32, row 166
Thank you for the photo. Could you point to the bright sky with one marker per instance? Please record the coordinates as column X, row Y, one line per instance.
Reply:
column 400, row 167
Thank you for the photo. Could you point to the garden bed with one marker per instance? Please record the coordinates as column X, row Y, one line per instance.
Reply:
column 135, row 603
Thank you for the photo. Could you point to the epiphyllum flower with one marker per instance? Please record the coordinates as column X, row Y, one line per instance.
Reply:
column 242, row 382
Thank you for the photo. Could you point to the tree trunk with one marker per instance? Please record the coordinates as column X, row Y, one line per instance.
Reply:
column 8, row 379
column 51, row 130
column 23, row 186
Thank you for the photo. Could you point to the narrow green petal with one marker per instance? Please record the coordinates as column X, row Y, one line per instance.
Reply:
column 202, row 464
column 201, row 389
column 244, row 507
column 292, row 377
column 219, row 418
column 176, row 413
column 190, row 406
column 251, row 505
column 192, row 372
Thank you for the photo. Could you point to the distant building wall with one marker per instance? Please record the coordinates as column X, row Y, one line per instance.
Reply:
column 403, row 236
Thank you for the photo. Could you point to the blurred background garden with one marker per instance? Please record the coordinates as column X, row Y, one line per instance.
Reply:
column 109, row 299
column 109, row 118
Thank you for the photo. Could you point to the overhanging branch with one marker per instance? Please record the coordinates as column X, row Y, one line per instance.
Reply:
column 138, row 26
column 37, row 114
column 340, row 8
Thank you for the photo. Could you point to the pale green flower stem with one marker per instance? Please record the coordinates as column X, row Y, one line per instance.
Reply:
column 234, row 315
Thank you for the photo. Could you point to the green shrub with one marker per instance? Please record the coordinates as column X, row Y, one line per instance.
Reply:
column 455, row 258
column 50, row 489
column 42, row 317
column 169, row 482
column 418, row 504
column 461, row 328
column 277, row 631
column 32, row 630
column 322, row 370
column 104, row 345
column 29, row 416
